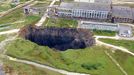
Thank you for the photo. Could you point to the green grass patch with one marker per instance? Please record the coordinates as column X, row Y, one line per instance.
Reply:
column 24, row 0
column 125, row 60
column 4, row 6
column 2, row 38
column 123, row 43
column 57, row 3
column 18, row 15
column 60, row 22
column 90, row 60
column 14, row 68
column 13, row 16
column 104, row 32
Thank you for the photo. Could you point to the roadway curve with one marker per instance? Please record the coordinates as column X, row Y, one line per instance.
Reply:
column 113, row 46
column 42, row 20
column 19, row 6
column 44, row 66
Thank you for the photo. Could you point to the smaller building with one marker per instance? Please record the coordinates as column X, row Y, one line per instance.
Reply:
column 98, row 26
column 26, row 10
column 125, row 31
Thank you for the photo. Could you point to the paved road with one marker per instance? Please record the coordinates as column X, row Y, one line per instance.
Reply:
column 42, row 20
column 44, row 66
column 9, row 31
column 112, row 46
column 117, row 64
column 115, row 37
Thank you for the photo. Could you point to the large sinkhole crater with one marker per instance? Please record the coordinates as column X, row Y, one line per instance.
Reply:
column 58, row 38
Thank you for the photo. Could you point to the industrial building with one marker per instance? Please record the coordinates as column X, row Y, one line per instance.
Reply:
column 84, row 10
column 122, row 30
column 95, row 10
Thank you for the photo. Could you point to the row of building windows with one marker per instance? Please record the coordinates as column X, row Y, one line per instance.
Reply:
column 99, row 27
column 85, row 14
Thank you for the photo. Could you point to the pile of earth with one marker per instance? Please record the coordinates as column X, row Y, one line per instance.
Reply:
column 58, row 38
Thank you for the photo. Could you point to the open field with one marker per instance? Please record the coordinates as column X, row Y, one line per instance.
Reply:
column 17, row 19
column 15, row 68
column 125, row 60
column 104, row 33
column 24, row 0
column 123, row 43
column 60, row 22
column 90, row 60
column 5, row 5
column 2, row 37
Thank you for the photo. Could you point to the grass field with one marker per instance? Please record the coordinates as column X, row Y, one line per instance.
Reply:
column 90, row 60
column 104, row 33
column 125, row 60
column 123, row 43
column 24, row 0
column 15, row 68
column 2, row 37
column 5, row 5
column 60, row 22
column 15, row 16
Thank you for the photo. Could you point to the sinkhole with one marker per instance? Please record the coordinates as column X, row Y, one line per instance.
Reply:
column 58, row 38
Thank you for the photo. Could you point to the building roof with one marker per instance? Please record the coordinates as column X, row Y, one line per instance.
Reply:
column 122, row 12
column 95, row 1
column 133, row 12
column 99, row 23
column 86, row 6
column 103, row 1
column 82, row 0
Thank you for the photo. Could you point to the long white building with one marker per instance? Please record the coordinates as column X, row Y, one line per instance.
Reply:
column 98, row 26
column 84, row 10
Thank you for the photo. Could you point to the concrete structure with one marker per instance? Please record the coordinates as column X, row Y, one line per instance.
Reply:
column 122, row 14
column 84, row 10
column 98, row 26
column 26, row 10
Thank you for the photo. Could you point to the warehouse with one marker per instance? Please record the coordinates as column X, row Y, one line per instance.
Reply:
column 84, row 10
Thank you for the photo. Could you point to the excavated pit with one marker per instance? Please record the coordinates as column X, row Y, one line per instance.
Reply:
column 58, row 38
